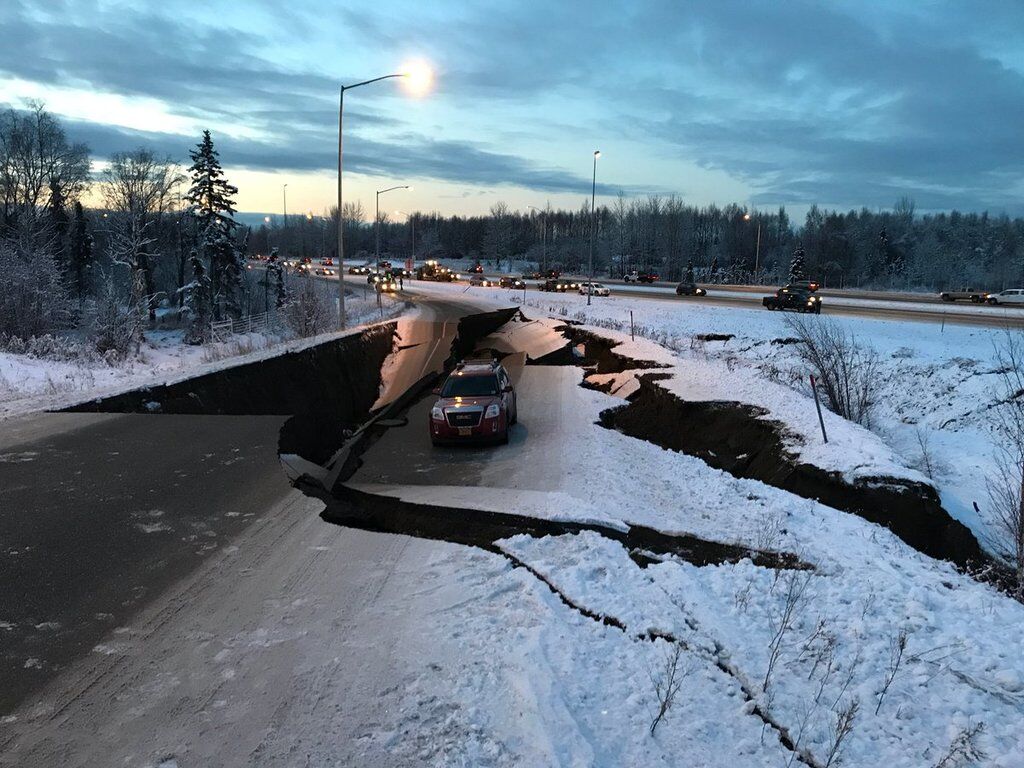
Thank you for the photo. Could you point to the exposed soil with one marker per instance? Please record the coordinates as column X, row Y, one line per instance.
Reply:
column 738, row 439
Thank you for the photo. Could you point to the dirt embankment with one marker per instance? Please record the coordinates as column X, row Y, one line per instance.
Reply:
column 327, row 389
column 738, row 439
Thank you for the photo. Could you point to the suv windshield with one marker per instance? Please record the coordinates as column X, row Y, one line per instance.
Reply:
column 470, row 386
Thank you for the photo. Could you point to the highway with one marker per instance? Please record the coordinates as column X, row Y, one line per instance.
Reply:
column 154, row 565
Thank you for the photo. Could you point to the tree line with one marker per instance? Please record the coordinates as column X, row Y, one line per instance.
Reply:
column 162, row 239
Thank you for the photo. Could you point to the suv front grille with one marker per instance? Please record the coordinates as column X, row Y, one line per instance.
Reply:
column 463, row 418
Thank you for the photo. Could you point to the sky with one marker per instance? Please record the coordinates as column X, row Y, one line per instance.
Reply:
column 843, row 104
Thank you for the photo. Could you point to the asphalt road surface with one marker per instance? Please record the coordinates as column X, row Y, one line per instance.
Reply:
column 109, row 524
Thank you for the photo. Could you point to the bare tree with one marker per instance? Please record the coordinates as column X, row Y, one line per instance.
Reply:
column 667, row 682
column 897, row 645
column 1006, row 486
column 140, row 186
column 794, row 585
column 37, row 162
column 847, row 372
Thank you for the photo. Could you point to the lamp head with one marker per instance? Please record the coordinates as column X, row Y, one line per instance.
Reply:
column 597, row 153
column 418, row 77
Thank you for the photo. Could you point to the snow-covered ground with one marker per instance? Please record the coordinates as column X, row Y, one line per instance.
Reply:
column 935, row 391
column 31, row 384
column 925, row 654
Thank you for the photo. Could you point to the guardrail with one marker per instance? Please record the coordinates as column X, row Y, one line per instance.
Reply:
column 220, row 330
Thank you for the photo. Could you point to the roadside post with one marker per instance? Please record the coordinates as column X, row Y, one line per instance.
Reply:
column 632, row 333
column 817, row 405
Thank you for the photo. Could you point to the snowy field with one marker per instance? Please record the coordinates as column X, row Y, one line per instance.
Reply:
column 917, row 659
column 935, row 390
column 30, row 383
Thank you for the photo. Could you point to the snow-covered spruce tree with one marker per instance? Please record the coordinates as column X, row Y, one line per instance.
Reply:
column 198, row 299
column 797, row 270
column 118, row 320
column 80, row 253
column 211, row 200
column 714, row 268
column 689, row 271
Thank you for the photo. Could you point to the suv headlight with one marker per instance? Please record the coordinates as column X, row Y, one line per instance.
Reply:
column 492, row 411
column 436, row 413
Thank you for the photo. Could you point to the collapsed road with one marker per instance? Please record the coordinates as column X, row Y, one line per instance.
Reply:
column 109, row 505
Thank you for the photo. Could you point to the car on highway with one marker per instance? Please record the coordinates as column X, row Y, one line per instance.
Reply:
column 690, row 289
column 594, row 289
column 477, row 269
column 793, row 299
column 965, row 294
column 640, row 277
column 476, row 403
column 803, row 285
column 327, row 261
column 481, row 282
column 359, row 270
column 326, row 271
column 557, row 285
column 402, row 272
column 432, row 270
column 1009, row 296
column 510, row 281
column 386, row 284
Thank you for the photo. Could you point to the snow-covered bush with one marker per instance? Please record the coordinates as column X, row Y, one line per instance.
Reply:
column 308, row 312
column 117, row 323
column 46, row 347
column 34, row 300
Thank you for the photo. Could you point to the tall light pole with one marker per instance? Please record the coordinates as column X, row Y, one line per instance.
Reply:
column 418, row 77
column 544, row 238
column 593, row 228
column 376, row 222
column 757, row 251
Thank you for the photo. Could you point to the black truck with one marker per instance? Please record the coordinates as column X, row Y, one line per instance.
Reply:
column 794, row 299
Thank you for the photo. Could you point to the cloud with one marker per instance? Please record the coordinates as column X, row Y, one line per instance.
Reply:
column 852, row 102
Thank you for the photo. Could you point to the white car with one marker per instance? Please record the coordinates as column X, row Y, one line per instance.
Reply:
column 1009, row 296
column 594, row 289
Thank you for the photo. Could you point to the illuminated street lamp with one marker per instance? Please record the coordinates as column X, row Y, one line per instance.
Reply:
column 593, row 228
column 418, row 78
column 757, row 252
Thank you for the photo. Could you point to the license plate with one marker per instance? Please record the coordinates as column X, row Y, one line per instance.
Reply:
column 464, row 431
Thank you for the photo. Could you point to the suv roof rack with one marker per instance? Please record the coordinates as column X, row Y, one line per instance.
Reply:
column 488, row 361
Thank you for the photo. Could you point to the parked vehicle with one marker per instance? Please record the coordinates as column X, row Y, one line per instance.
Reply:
column 510, row 281
column 594, row 289
column 690, row 289
column 1009, row 296
column 476, row 403
column 640, row 277
column 794, row 299
column 965, row 294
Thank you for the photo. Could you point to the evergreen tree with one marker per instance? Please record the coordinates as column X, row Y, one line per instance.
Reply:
column 275, row 272
column 198, row 300
column 797, row 270
column 714, row 267
column 211, row 200
column 689, row 271
column 80, row 254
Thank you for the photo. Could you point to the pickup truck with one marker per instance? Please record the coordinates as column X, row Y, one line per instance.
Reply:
column 964, row 294
column 795, row 299
column 640, row 277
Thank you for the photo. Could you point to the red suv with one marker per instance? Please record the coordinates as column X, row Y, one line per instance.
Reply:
column 477, row 404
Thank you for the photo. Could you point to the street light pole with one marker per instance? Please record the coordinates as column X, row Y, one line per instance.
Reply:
column 593, row 228
column 757, row 248
column 544, row 238
column 341, row 224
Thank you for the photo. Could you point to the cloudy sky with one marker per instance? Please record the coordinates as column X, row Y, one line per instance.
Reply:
column 842, row 103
